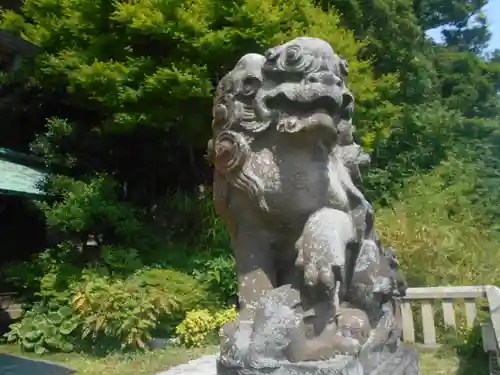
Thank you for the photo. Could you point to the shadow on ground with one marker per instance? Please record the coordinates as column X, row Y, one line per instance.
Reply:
column 14, row 365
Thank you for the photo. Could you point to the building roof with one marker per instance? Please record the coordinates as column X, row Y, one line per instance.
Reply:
column 21, row 174
column 16, row 45
column 12, row 4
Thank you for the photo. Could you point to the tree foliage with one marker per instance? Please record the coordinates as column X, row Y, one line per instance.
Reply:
column 118, row 104
column 136, row 69
column 436, row 13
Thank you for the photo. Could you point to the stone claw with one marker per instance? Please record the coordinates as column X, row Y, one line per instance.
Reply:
column 348, row 346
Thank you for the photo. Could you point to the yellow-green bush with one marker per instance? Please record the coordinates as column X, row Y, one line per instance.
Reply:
column 121, row 310
column 224, row 316
column 199, row 325
column 188, row 291
column 195, row 328
column 130, row 310
column 439, row 235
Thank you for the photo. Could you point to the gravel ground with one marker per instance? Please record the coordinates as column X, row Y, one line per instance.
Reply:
column 201, row 366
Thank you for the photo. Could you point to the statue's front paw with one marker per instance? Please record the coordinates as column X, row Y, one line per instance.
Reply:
column 348, row 346
column 228, row 329
column 321, row 248
column 318, row 267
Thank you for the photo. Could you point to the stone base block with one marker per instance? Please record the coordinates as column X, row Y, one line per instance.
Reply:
column 403, row 362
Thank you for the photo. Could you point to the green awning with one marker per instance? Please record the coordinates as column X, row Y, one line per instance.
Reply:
column 20, row 174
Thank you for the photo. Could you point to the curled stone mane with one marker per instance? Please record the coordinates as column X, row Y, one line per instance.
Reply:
column 233, row 116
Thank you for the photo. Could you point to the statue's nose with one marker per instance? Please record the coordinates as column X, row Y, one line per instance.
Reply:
column 326, row 78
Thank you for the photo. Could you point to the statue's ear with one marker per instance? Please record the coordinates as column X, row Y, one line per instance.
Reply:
column 210, row 151
column 344, row 68
column 272, row 53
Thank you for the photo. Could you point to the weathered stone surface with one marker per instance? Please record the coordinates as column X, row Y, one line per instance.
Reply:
column 403, row 362
column 342, row 365
column 315, row 285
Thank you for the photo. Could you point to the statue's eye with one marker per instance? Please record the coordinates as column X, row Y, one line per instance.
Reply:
column 250, row 85
column 293, row 54
column 227, row 85
column 332, row 79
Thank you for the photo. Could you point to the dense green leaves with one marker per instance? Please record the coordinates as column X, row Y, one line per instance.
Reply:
column 159, row 58
column 435, row 13
column 118, row 104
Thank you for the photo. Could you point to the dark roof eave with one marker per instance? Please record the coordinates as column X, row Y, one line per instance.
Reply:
column 16, row 45
column 21, row 174
column 22, row 158
column 12, row 193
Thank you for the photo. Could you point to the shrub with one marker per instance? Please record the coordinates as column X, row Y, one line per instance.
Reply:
column 470, row 342
column 200, row 325
column 128, row 311
column 121, row 260
column 23, row 276
column 119, row 310
column 99, row 311
column 187, row 291
column 189, row 294
column 467, row 342
column 207, row 255
column 440, row 236
column 218, row 271
column 195, row 328
column 43, row 330
column 224, row 316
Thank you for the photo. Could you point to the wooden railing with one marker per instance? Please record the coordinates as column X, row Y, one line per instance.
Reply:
column 449, row 298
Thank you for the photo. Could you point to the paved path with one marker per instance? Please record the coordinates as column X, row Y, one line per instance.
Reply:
column 201, row 366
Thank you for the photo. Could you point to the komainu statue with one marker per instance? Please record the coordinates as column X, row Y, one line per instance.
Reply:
column 317, row 291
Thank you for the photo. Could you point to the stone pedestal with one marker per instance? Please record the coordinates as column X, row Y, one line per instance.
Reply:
column 403, row 362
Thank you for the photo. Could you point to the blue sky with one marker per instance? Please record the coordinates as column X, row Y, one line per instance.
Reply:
column 492, row 11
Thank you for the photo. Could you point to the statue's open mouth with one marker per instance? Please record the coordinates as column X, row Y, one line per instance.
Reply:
column 306, row 108
column 305, row 102
column 283, row 104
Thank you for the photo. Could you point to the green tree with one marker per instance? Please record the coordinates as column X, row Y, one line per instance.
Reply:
column 130, row 88
column 120, row 101
column 122, row 80
column 147, row 64
column 447, row 92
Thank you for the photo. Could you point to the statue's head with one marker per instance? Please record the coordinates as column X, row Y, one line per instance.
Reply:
column 296, row 86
